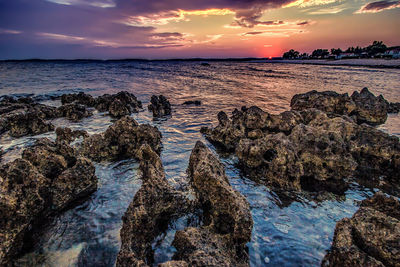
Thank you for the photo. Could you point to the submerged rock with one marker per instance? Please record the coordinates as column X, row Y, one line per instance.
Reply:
column 160, row 106
column 123, row 139
column 151, row 210
column 192, row 102
column 49, row 178
column 370, row 238
column 307, row 150
column 364, row 106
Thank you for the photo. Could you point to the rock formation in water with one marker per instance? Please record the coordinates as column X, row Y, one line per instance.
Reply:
column 74, row 112
column 221, row 240
column 23, row 117
column 118, row 105
column 307, row 149
column 49, row 178
column 370, row 238
column 123, row 139
column 227, row 222
column 148, row 215
column 365, row 107
column 192, row 102
column 160, row 106
column 394, row 107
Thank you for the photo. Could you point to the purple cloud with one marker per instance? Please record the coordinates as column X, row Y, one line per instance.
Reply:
column 72, row 28
column 378, row 6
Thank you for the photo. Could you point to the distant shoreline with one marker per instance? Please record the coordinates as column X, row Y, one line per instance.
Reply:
column 369, row 62
column 357, row 62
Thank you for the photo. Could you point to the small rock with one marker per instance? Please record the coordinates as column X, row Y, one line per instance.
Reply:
column 160, row 106
column 192, row 102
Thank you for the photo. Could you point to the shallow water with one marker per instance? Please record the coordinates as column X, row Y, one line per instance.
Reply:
column 286, row 234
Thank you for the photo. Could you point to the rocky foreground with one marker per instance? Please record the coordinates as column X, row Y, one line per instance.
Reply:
column 53, row 176
column 226, row 225
column 326, row 141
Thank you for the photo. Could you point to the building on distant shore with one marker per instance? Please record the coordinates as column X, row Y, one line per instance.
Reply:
column 392, row 52
column 347, row 55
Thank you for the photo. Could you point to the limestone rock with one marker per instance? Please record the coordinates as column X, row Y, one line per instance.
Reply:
column 121, row 140
column 74, row 112
column 370, row 238
column 370, row 109
column 160, row 106
column 148, row 215
column 49, row 178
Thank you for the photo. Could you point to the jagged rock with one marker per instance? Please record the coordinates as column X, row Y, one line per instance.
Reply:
column 118, row 105
column 117, row 109
column 328, row 101
column 364, row 106
column 68, row 135
column 23, row 117
column 394, row 107
column 370, row 109
column 49, row 178
column 308, row 149
column 148, row 215
column 160, row 106
column 73, row 184
column 192, row 102
column 370, row 238
column 44, row 155
column 21, row 123
column 74, row 112
column 123, row 98
column 24, row 193
column 80, row 98
column 249, row 123
column 221, row 241
column 121, row 140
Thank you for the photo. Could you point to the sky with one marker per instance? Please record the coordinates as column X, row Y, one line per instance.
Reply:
column 161, row 29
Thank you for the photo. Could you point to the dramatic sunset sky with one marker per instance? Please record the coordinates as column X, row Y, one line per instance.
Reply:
column 183, row 28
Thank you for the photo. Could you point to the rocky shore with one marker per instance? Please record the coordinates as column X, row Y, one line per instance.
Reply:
column 323, row 144
column 317, row 146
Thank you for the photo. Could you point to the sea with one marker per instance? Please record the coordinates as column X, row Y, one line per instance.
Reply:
column 285, row 233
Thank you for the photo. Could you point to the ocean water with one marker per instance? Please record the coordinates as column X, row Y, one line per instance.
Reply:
column 295, row 233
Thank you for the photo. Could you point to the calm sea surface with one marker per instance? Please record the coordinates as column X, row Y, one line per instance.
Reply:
column 284, row 234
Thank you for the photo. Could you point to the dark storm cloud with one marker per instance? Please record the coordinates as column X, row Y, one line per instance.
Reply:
column 378, row 6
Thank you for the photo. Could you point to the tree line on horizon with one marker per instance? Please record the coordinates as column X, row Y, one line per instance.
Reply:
column 376, row 48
